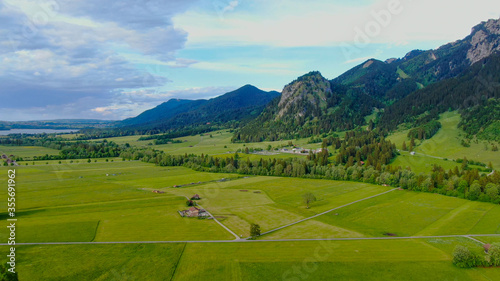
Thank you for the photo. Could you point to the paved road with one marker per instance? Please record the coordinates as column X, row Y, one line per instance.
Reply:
column 320, row 214
column 259, row 241
column 474, row 239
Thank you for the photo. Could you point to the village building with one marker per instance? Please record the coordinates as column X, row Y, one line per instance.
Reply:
column 196, row 197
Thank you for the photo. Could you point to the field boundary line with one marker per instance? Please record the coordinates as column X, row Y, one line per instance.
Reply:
column 326, row 212
column 95, row 232
column 94, row 203
column 178, row 262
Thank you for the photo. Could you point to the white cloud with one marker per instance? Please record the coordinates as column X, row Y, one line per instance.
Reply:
column 324, row 23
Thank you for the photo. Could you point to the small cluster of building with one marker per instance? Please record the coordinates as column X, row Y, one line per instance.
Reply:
column 299, row 150
column 158, row 191
column 194, row 212
column 8, row 160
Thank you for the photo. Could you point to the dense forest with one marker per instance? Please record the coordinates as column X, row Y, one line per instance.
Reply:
column 482, row 120
column 471, row 89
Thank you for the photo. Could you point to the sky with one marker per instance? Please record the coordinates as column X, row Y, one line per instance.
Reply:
column 90, row 59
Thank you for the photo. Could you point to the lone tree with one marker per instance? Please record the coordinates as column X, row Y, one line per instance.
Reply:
column 254, row 230
column 308, row 199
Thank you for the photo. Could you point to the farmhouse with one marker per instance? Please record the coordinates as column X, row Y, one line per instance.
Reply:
column 194, row 212
column 196, row 197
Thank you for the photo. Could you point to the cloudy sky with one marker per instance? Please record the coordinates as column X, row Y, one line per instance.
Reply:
column 114, row 59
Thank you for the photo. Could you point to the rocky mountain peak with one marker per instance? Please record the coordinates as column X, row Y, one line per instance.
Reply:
column 484, row 40
column 310, row 89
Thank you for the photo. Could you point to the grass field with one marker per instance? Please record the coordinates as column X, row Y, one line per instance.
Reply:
column 423, row 259
column 112, row 201
column 445, row 144
column 401, row 213
column 278, row 201
column 104, row 201
column 27, row 151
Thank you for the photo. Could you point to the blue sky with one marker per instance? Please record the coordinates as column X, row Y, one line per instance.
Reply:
column 83, row 59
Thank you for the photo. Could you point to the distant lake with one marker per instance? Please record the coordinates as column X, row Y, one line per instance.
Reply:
column 35, row 131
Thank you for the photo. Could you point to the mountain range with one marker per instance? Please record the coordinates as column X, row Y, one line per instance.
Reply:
column 239, row 105
column 410, row 92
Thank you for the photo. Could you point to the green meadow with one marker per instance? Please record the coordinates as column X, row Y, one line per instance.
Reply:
column 403, row 213
column 27, row 151
column 272, row 202
column 112, row 201
column 446, row 143
column 104, row 202
column 408, row 259
column 443, row 148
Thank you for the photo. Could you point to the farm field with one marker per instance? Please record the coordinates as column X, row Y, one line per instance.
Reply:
column 113, row 202
column 403, row 214
column 409, row 259
column 27, row 151
column 218, row 144
column 104, row 201
column 273, row 202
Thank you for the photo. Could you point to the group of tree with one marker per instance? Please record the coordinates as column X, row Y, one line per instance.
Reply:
column 482, row 120
column 67, row 149
column 425, row 131
column 368, row 148
column 463, row 257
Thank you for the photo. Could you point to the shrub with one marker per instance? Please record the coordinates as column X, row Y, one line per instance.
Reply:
column 464, row 258
column 494, row 253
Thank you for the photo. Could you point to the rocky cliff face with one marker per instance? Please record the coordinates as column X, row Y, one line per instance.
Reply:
column 306, row 95
column 485, row 40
